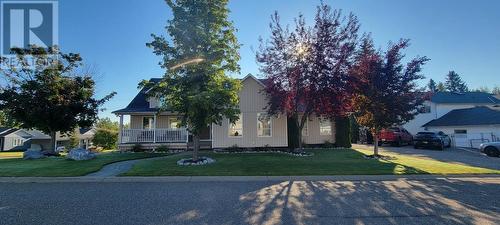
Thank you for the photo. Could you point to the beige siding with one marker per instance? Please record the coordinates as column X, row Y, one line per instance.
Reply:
column 252, row 101
column 161, row 121
column 313, row 135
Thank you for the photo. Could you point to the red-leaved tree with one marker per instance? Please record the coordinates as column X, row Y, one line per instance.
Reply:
column 385, row 90
column 308, row 68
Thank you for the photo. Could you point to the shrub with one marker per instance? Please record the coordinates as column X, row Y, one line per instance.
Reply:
column 106, row 138
column 233, row 148
column 342, row 132
column 328, row 144
column 137, row 148
column 162, row 148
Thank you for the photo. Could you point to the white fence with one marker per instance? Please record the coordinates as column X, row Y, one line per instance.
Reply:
column 473, row 140
column 175, row 135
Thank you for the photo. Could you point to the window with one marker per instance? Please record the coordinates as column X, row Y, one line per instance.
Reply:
column 264, row 125
column 147, row 122
column 17, row 142
column 173, row 122
column 325, row 127
column 460, row 131
column 305, row 129
column 236, row 128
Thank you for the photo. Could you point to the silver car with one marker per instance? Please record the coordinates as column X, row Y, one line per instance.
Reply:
column 490, row 148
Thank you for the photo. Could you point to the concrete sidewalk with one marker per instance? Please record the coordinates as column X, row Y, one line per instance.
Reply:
column 242, row 178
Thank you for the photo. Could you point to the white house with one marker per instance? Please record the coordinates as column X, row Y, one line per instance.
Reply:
column 469, row 118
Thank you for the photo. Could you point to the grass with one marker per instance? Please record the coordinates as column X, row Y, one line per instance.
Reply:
column 324, row 162
column 59, row 167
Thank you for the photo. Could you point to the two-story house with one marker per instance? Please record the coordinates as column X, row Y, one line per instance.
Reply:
column 457, row 114
column 255, row 128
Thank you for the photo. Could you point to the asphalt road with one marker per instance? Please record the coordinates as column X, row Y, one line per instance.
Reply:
column 395, row 201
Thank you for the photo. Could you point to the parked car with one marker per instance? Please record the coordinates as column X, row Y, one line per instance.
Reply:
column 395, row 136
column 490, row 149
column 432, row 139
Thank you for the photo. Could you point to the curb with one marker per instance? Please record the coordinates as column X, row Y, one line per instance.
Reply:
column 240, row 178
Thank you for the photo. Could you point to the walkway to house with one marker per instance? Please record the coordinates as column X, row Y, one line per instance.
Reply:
column 115, row 169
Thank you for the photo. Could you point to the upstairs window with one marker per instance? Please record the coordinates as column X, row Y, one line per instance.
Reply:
column 236, row 128
column 325, row 127
column 264, row 125
column 424, row 109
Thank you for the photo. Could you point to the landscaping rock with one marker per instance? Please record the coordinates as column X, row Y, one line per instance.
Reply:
column 190, row 162
column 80, row 154
column 33, row 154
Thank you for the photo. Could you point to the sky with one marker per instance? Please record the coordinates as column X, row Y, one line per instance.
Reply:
column 458, row 35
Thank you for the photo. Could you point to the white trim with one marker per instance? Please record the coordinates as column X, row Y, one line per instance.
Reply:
column 270, row 128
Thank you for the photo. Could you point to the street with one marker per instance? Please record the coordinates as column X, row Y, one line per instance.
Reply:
column 388, row 201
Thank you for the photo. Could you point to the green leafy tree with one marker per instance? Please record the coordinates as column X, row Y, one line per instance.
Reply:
column 7, row 121
column 483, row 89
column 432, row 86
column 454, row 83
column 386, row 92
column 201, row 49
column 440, row 87
column 52, row 97
column 105, row 138
column 107, row 124
column 74, row 141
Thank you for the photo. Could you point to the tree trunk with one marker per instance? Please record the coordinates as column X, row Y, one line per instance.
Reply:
column 299, row 133
column 196, row 146
column 53, row 142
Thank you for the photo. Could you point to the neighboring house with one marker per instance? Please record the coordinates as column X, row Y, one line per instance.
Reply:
column 440, row 103
column 469, row 127
column 255, row 128
column 84, row 135
column 12, row 139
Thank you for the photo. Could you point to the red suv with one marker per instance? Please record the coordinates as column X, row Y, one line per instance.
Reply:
column 395, row 136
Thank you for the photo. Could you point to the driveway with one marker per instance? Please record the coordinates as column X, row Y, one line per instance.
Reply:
column 395, row 201
column 452, row 155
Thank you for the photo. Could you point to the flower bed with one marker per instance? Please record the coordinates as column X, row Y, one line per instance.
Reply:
column 269, row 150
column 199, row 162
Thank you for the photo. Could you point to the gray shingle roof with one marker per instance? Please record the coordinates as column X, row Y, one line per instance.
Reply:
column 472, row 116
column 467, row 97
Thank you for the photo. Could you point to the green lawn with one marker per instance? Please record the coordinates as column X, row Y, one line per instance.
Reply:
column 324, row 162
column 59, row 167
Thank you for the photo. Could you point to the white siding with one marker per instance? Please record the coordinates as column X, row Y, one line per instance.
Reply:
column 314, row 136
column 437, row 111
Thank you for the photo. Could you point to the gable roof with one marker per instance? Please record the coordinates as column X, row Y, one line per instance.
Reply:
column 140, row 102
column 464, row 98
column 472, row 116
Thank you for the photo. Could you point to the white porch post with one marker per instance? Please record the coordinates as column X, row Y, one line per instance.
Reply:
column 154, row 128
column 120, row 132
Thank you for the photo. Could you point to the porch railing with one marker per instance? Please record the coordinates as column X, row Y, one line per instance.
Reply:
column 173, row 135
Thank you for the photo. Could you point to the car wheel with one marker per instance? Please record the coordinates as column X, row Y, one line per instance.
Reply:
column 491, row 151
column 415, row 146
column 379, row 143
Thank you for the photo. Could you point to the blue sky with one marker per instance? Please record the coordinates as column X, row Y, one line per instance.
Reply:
column 455, row 34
